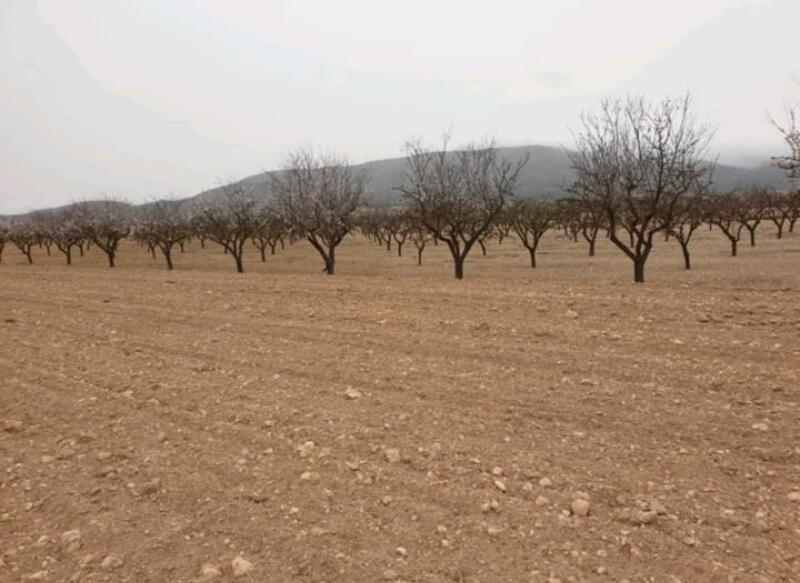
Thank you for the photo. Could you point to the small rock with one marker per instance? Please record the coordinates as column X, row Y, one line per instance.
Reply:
column 37, row 576
column 644, row 517
column 541, row 501
column 352, row 393
column 494, row 531
column 392, row 456
column 500, row 485
column 71, row 536
column 760, row 426
column 794, row 496
column 47, row 459
column 210, row 571
column 103, row 455
column 112, row 562
column 497, row 471
column 402, row 551
column 571, row 314
column 241, row 566
column 545, row 483
column 389, row 575
column 317, row 531
column 12, row 426
column 150, row 487
column 580, row 507
column 306, row 449
column 309, row 477
column 386, row 500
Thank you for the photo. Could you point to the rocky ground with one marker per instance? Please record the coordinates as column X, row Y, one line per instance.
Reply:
column 392, row 424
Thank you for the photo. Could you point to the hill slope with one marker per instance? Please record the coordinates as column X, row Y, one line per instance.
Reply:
column 545, row 176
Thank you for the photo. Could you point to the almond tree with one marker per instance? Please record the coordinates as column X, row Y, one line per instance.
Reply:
column 66, row 233
column 105, row 223
column 419, row 237
column 753, row 209
column 230, row 220
column 724, row 212
column 530, row 220
column 270, row 231
column 690, row 215
column 23, row 234
column 318, row 196
column 163, row 224
column 782, row 207
column 636, row 161
column 458, row 195
column 3, row 238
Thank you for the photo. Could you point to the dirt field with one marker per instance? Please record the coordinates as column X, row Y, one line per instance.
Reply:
column 391, row 423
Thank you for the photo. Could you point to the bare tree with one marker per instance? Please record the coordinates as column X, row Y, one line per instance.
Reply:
column 782, row 207
column 724, row 212
column 66, row 233
column 163, row 224
column 318, row 196
column 420, row 237
column 690, row 215
column 105, row 223
column 636, row 161
column 790, row 129
column 530, row 220
column 270, row 231
column 23, row 234
column 753, row 208
column 230, row 221
column 458, row 195
column 3, row 238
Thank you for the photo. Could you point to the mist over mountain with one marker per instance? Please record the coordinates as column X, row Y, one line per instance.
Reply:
column 546, row 175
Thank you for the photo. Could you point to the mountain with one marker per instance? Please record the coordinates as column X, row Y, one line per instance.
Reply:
column 546, row 175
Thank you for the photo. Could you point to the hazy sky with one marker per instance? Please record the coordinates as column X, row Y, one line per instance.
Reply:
column 157, row 97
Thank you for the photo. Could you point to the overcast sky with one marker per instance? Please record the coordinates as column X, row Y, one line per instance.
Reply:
column 158, row 97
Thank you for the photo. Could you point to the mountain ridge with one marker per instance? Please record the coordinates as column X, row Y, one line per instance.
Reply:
column 546, row 175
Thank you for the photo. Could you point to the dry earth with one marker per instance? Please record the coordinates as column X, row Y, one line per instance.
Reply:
column 391, row 423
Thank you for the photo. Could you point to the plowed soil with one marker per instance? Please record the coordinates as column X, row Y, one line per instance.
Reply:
column 392, row 424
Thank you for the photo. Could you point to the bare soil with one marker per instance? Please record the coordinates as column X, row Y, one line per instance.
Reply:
column 391, row 423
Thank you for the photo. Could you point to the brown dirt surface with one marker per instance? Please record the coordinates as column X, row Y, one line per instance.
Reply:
column 391, row 423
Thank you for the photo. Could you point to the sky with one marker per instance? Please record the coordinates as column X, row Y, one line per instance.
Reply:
column 156, row 98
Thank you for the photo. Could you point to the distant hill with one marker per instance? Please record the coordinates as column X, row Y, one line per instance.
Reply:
column 545, row 176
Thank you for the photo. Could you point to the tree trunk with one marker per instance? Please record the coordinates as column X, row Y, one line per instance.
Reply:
column 110, row 255
column 752, row 237
column 239, row 264
column 687, row 262
column 459, row 266
column 399, row 249
column 591, row 248
column 532, row 252
column 734, row 245
column 68, row 254
column 167, row 256
column 419, row 255
column 483, row 247
column 638, row 269
column 29, row 256
column 263, row 251
column 330, row 261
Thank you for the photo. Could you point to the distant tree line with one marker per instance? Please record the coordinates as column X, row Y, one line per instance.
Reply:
column 642, row 171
